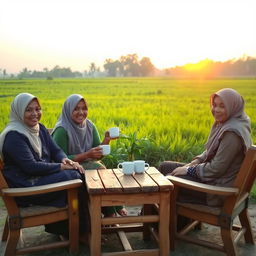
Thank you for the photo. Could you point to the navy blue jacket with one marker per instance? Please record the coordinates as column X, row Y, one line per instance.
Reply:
column 22, row 165
column 24, row 168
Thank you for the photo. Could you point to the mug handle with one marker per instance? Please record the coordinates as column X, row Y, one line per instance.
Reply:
column 146, row 165
column 118, row 166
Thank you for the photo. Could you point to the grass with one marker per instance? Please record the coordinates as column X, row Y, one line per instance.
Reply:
column 170, row 118
column 253, row 192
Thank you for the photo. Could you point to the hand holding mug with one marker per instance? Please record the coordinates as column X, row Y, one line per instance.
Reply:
column 95, row 153
column 114, row 132
column 105, row 149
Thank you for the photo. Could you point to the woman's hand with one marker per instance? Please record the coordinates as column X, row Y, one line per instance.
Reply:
column 179, row 171
column 67, row 161
column 94, row 153
column 107, row 138
column 194, row 162
column 67, row 164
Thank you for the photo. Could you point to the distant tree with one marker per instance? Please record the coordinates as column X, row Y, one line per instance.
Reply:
column 130, row 65
column 146, row 66
column 61, row 72
column 25, row 73
column 85, row 73
column 243, row 67
column 46, row 72
column 113, row 68
column 92, row 69
column 4, row 73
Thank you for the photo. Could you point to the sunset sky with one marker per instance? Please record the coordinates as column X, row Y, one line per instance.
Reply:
column 73, row 33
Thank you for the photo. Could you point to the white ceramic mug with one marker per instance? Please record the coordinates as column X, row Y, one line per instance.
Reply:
column 127, row 167
column 114, row 132
column 105, row 149
column 140, row 166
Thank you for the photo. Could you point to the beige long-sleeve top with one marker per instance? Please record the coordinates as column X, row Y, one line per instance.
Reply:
column 222, row 169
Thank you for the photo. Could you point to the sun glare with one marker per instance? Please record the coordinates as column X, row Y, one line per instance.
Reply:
column 171, row 33
column 198, row 66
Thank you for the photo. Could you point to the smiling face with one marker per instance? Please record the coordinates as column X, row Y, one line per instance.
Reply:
column 32, row 113
column 80, row 112
column 219, row 110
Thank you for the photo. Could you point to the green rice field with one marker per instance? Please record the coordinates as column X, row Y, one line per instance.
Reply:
column 160, row 118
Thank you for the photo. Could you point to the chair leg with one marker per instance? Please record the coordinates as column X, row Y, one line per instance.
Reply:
column 5, row 231
column 73, row 222
column 12, row 242
column 146, row 210
column 228, row 242
column 245, row 222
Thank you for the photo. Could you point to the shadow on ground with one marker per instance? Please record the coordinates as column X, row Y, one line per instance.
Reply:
column 38, row 236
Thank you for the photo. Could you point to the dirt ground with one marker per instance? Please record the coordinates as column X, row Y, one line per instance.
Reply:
column 37, row 235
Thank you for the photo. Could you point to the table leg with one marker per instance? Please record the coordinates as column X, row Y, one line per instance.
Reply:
column 164, row 215
column 95, row 216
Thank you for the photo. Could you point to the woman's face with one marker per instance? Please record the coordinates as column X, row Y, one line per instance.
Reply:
column 32, row 113
column 80, row 112
column 219, row 110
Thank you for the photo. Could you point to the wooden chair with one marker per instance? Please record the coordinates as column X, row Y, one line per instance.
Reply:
column 19, row 218
column 236, row 204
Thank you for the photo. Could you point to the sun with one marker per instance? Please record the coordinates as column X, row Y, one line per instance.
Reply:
column 200, row 66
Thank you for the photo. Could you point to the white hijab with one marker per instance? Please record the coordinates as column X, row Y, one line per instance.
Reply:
column 16, row 123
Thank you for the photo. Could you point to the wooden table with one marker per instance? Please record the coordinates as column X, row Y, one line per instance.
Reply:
column 112, row 188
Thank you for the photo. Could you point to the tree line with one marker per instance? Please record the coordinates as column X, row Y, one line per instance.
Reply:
column 243, row 67
column 131, row 66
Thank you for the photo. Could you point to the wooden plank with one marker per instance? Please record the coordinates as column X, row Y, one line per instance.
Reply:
column 160, row 179
column 152, row 170
column 146, row 183
column 110, row 181
column 164, row 214
column 123, row 238
column 93, row 182
column 128, row 182
column 130, row 199
column 95, row 217
column 163, row 183
column 130, row 219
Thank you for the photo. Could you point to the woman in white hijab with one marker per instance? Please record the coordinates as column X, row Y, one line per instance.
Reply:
column 31, row 157
column 227, row 144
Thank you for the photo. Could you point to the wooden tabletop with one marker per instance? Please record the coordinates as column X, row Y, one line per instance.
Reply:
column 113, row 180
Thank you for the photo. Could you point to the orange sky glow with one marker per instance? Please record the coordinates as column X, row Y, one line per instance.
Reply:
column 74, row 33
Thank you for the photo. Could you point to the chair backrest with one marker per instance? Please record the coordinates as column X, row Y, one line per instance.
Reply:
column 247, row 173
column 3, row 183
column 245, row 177
column 10, row 202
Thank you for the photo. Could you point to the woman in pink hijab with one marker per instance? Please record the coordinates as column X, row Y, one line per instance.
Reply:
column 225, row 150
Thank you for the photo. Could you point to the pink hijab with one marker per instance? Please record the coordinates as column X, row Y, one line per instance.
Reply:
column 237, row 122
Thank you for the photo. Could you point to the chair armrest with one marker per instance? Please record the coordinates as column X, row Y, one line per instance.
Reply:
column 216, row 190
column 28, row 191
